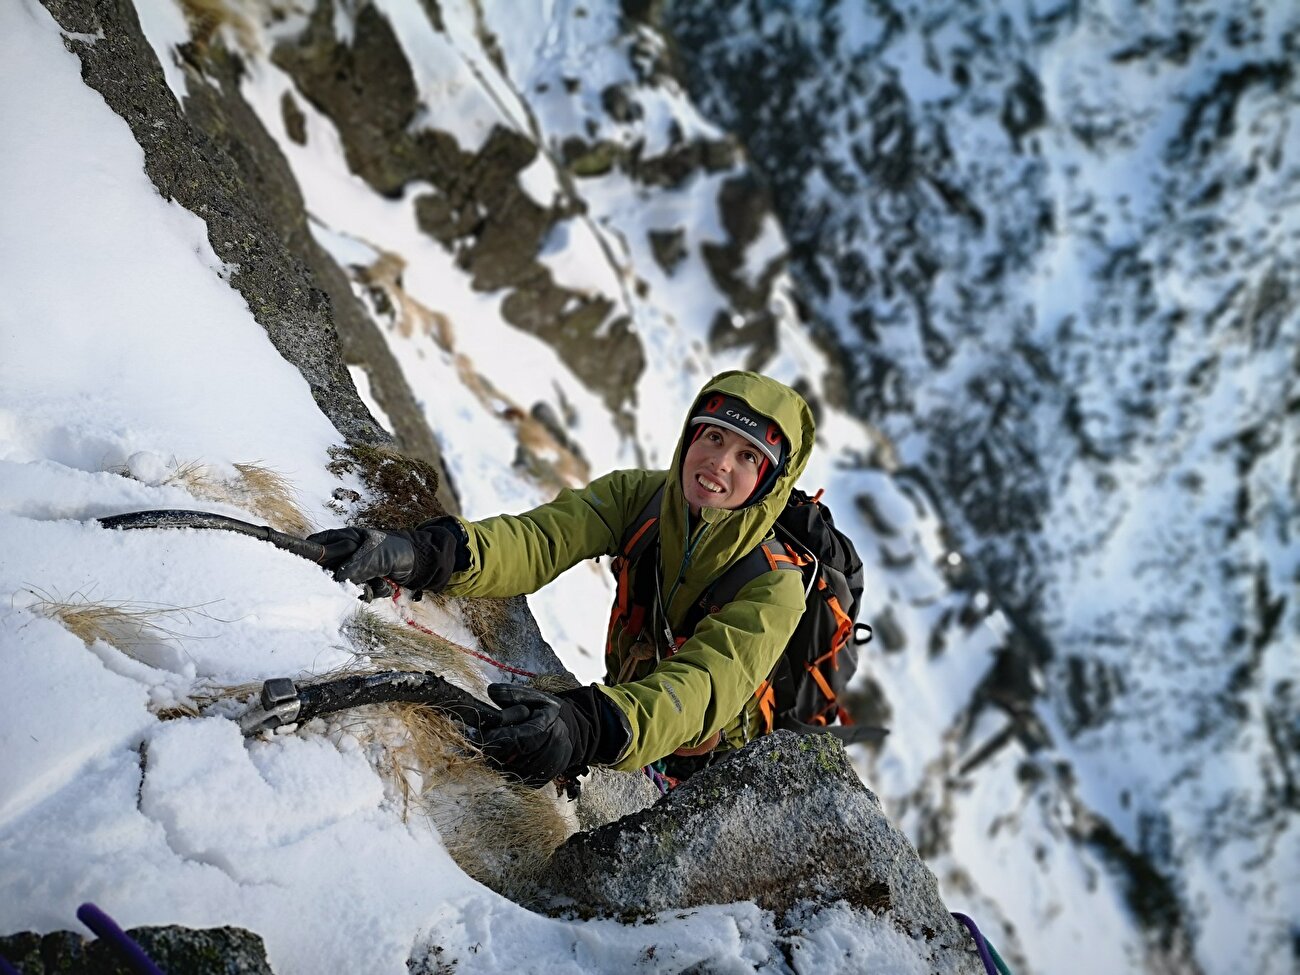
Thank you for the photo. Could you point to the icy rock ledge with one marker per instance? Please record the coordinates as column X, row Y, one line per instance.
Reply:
column 784, row 823
column 195, row 951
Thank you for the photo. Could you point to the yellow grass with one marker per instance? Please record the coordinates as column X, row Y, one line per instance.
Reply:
column 191, row 476
column 126, row 626
column 256, row 488
column 395, row 646
column 500, row 833
column 269, row 494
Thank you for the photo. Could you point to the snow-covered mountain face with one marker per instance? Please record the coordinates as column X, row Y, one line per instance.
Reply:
column 1052, row 257
column 1057, row 246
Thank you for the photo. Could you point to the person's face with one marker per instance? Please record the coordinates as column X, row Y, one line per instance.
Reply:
column 720, row 470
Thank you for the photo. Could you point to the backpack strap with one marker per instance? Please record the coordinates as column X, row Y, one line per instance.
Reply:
column 639, row 536
column 643, row 530
column 771, row 555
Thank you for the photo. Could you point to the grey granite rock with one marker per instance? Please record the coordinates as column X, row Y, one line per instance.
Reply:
column 194, row 951
column 785, row 822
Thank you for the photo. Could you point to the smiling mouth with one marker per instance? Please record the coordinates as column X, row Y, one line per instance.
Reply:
column 709, row 486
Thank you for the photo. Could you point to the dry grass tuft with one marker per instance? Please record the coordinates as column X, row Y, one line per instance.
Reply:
column 256, row 488
column 417, row 744
column 178, row 711
column 396, row 646
column 500, row 833
column 269, row 494
column 130, row 627
column 403, row 490
column 192, row 477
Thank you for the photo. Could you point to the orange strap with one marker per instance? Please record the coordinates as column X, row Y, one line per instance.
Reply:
column 766, row 704
column 627, row 549
column 774, row 558
column 821, row 682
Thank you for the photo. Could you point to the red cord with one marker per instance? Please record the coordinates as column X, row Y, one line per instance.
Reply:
column 397, row 592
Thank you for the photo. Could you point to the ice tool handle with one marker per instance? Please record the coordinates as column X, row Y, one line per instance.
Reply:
column 176, row 518
column 282, row 702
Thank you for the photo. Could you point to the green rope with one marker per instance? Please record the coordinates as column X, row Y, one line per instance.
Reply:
column 997, row 959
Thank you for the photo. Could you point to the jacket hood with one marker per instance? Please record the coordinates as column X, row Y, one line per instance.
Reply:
column 723, row 536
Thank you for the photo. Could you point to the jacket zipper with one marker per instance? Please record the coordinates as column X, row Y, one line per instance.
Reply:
column 691, row 546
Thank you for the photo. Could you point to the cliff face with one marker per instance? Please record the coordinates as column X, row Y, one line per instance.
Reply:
column 1054, row 246
column 1035, row 271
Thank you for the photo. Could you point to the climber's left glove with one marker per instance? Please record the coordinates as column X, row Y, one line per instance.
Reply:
column 542, row 735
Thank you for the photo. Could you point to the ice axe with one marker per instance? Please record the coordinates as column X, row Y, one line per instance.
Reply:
column 180, row 518
column 284, row 702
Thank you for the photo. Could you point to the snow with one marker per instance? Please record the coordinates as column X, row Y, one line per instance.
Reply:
column 361, row 380
column 164, row 27
column 576, row 259
column 442, row 77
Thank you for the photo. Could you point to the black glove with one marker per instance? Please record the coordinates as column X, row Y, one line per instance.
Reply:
column 418, row 559
column 339, row 544
column 543, row 735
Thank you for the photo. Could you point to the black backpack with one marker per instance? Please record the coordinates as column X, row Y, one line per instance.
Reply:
column 804, row 691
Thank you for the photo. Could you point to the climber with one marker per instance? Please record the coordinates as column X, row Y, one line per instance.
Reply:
column 746, row 440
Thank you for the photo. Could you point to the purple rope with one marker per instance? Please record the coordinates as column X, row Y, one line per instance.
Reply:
column 105, row 927
column 980, row 944
column 658, row 778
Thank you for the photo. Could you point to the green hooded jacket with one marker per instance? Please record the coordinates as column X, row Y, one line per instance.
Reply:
column 708, row 684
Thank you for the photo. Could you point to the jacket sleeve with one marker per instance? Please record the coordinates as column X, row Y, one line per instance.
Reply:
column 511, row 555
column 703, row 686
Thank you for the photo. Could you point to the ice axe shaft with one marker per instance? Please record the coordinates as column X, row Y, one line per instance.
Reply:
column 178, row 518
column 283, row 702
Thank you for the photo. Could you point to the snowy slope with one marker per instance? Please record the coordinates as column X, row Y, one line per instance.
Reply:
column 1056, row 243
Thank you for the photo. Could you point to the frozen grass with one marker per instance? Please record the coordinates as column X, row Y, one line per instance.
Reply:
column 126, row 626
column 499, row 832
column 256, row 488
column 191, row 476
column 387, row 645
column 269, row 493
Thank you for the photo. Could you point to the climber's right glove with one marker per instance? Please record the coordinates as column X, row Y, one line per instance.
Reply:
column 420, row 559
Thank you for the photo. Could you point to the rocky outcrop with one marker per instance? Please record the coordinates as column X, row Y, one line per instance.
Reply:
column 475, row 207
column 783, row 822
column 195, row 951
